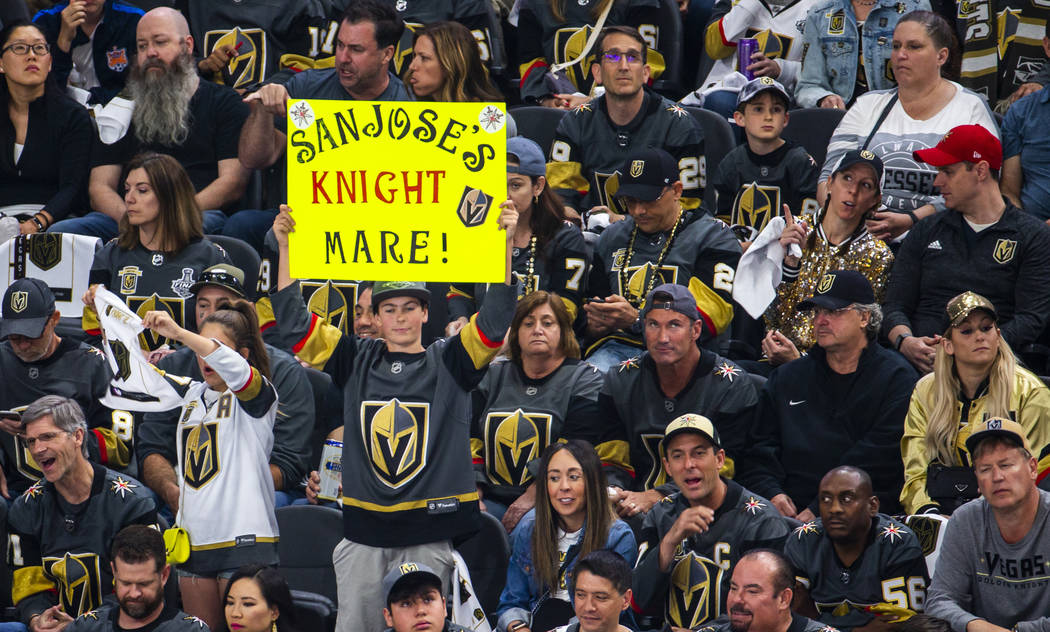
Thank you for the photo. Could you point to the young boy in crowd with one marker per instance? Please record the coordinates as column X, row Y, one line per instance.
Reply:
column 415, row 601
column 757, row 178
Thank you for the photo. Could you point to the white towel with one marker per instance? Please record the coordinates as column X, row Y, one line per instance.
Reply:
column 466, row 609
column 111, row 119
column 761, row 269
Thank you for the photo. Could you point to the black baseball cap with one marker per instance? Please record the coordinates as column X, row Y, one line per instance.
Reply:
column 861, row 156
column 383, row 290
column 838, row 289
column 28, row 304
column 407, row 571
column 223, row 275
column 646, row 173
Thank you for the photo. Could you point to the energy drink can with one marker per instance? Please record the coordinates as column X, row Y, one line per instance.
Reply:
column 331, row 471
column 745, row 48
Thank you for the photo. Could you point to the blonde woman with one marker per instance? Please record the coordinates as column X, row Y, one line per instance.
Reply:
column 975, row 377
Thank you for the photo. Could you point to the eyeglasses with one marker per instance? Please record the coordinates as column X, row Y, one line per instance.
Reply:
column 824, row 311
column 23, row 49
column 631, row 56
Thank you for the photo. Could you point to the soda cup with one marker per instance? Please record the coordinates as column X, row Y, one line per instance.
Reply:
column 331, row 470
column 745, row 48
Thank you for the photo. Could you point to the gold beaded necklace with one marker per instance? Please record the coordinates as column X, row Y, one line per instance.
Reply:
column 531, row 282
column 625, row 278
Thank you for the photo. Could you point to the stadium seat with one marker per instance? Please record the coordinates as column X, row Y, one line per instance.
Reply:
column 244, row 257
column 309, row 534
column 497, row 49
column 669, row 36
column 812, row 128
column 538, row 123
column 313, row 611
column 487, row 555
column 929, row 528
column 328, row 405
column 718, row 141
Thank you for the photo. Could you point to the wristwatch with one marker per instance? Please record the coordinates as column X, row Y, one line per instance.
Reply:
column 900, row 340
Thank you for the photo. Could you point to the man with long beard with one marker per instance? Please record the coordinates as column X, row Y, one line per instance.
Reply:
column 196, row 122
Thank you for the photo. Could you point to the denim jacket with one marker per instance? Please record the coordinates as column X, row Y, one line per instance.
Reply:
column 522, row 591
column 829, row 49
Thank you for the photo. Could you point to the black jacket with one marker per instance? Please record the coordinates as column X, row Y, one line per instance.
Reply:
column 113, row 46
column 1008, row 263
column 811, row 419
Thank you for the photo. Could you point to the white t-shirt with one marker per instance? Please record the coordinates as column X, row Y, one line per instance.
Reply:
column 565, row 542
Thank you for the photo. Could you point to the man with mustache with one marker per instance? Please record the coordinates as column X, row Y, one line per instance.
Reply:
column 843, row 403
column 196, row 122
column 140, row 573
column 855, row 557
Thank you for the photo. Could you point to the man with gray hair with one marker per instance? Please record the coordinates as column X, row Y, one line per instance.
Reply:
column 60, row 528
column 842, row 404
column 196, row 122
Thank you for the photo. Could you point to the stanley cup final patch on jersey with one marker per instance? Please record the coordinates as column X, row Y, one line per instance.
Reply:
column 511, row 441
column 396, row 438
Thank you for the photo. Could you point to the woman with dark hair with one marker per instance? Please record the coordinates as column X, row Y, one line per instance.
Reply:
column 45, row 137
column 573, row 516
column 446, row 66
column 915, row 115
column 160, row 251
column 224, row 438
column 549, row 252
column 542, row 394
column 837, row 240
column 975, row 377
column 257, row 599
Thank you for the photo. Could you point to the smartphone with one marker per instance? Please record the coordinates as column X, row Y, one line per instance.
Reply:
column 10, row 414
column 594, row 300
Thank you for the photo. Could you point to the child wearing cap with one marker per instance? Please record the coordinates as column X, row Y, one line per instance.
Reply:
column 758, row 177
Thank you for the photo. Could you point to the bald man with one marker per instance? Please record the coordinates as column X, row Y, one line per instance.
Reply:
column 196, row 122
column 854, row 557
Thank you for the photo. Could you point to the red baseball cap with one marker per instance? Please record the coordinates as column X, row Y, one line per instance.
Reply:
column 965, row 143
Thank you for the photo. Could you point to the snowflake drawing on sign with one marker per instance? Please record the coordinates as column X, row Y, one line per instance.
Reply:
column 491, row 118
column 302, row 114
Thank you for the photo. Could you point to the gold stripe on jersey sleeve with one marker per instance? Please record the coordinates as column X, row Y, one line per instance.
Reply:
column 29, row 581
column 319, row 344
column 570, row 307
column 689, row 203
column 710, row 303
column 567, row 175
column 455, row 291
column 480, row 349
column 264, row 311
column 477, row 450
column 616, row 453
column 728, row 468
column 408, row 505
column 113, row 449
column 252, row 388
column 714, row 43
column 655, row 60
column 89, row 320
column 228, row 544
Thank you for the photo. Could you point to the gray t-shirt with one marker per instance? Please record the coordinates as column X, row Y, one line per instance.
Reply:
column 323, row 83
column 980, row 576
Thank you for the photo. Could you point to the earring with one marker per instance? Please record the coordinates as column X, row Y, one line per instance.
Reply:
column 536, row 200
column 273, row 626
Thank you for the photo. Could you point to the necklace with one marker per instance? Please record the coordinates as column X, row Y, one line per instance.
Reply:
column 531, row 282
column 624, row 276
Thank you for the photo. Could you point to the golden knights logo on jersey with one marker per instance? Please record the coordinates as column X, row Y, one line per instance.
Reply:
column 396, row 436
column 606, row 185
column 656, row 475
column 25, row 462
column 76, row 575
column 45, row 250
column 403, row 51
column 773, row 45
column 755, row 205
column 511, row 441
column 638, row 279
column 142, row 304
column 696, row 591
column 250, row 64
column 200, row 446
column 332, row 301
column 568, row 45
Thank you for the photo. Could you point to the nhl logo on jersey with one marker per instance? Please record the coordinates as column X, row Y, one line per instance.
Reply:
column 158, row 259
column 45, row 250
column 637, row 168
column 473, row 207
column 396, row 367
column 396, row 436
column 512, row 440
column 1004, row 250
column 117, row 59
column 19, row 301
column 401, row 5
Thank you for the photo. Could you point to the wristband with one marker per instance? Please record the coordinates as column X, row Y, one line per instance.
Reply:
column 913, row 216
column 39, row 225
column 900, row 339
column 517, row 626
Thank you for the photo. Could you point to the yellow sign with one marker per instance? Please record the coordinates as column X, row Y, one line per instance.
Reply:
column 393, row 190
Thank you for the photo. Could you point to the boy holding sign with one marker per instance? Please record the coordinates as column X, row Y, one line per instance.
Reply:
column 408, row 484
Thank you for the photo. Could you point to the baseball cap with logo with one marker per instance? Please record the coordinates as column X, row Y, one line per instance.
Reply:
column 646, row 173
column 757, row 86
column 28, row 304
column 671, row 296
column 964, row 143
column 406, row 571
column 690, row 422
column 963, row 305
column 861, row 157
column 382, row 290
column 223, row 275
column 838, row 289
column 996, row 427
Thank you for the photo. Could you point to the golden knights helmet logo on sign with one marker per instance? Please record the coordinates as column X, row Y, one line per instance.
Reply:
column 473, row 207
column 511, row 441
column 396, row 434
